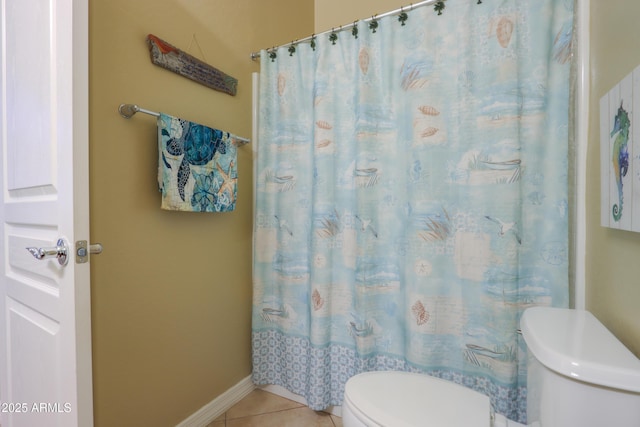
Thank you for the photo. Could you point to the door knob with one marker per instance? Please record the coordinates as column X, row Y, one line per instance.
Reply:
column 61, row 252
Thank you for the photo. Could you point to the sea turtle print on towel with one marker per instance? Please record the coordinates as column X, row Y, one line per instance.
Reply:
column 197, row 167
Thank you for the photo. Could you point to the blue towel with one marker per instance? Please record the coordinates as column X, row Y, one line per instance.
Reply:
column 197, row 166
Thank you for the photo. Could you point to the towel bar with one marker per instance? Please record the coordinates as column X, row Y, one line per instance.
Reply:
column 128, row 110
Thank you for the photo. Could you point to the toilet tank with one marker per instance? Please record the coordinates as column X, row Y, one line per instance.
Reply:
column 578, row 373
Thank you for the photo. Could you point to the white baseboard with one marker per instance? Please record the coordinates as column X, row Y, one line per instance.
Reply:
column 283, row 392
column 219, row 405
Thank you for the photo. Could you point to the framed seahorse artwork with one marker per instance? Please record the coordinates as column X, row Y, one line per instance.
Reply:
column 620, row 155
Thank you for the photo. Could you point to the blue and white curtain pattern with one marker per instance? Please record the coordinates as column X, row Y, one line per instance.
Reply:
column 411, row 198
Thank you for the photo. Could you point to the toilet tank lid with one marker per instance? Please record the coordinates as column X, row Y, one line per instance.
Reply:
column 575, row 344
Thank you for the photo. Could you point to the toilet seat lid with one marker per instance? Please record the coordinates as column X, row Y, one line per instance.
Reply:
column 403, row 399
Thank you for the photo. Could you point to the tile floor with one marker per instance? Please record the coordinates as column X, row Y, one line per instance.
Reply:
column 263, row 409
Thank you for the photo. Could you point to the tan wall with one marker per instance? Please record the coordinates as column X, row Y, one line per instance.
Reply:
column 171, row 294
column 333, row 13
column 613, row 270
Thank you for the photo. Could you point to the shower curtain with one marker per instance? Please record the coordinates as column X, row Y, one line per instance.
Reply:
column 411, row 198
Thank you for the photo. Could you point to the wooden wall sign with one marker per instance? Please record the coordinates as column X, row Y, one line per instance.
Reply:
column 170, row 57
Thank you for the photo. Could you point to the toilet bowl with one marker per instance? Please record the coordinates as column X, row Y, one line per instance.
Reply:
column 578, row 374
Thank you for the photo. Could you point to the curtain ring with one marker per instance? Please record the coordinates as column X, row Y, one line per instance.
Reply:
column 313, row 42
column 333, row 36
column 402, row 17
column 374, row 23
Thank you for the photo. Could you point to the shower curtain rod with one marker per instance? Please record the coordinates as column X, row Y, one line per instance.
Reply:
column 128, row 110
column 256, row 55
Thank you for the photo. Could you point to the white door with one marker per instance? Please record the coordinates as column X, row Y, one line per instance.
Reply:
column 45, row 321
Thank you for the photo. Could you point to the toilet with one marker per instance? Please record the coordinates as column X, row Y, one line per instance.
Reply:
column 578, row 374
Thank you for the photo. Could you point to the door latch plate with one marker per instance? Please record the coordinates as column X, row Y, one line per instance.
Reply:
column 83, row 250
column 82, row 253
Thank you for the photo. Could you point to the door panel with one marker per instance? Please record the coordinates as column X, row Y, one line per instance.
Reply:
column 31, row 334
column 29, row 83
